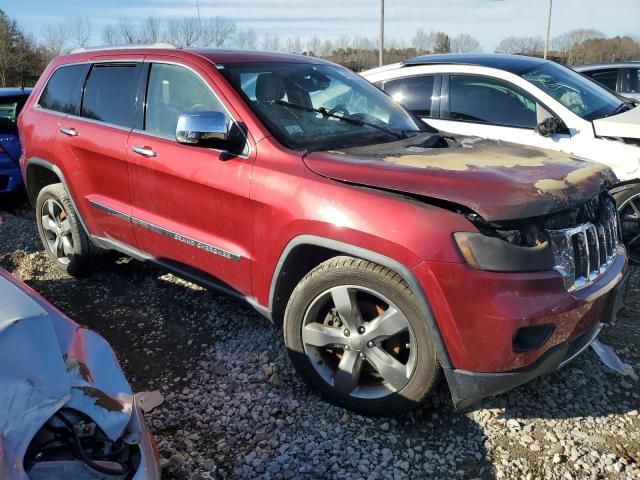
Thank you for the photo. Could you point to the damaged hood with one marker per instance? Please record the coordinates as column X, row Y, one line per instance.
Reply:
column 499, row 181
column 48, row 362
column 623, row 125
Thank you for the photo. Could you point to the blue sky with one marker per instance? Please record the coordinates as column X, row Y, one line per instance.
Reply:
column 487, row 20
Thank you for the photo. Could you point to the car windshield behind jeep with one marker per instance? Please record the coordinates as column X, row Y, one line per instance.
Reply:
column 314, row 107
column 583, row 97
column 9, row 109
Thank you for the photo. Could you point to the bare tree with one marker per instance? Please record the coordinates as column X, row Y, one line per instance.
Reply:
column 295, row 45
column 521, row 45
column 218, row 32
column 109, row 35
column 314, row 46
column 183, row 32
column 327, row 48
column 271, row 42
column 246, row 39
column 343, row 41
column 55, row 38
column 80, row 31
column 129, row 32
column 570, row 45
column 442, row 43
column 151, row 30
column 423, row 41
column 465, row 43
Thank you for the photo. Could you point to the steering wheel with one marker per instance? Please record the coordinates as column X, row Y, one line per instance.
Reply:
column 342, row 108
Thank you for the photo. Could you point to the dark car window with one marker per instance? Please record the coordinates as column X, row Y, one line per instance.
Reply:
column 172, row 91
column 9, row 109
column 414, row 93
column 607, row 78
column 481, row 99
column 631, row 80
column 110, row 94
column 61, row 92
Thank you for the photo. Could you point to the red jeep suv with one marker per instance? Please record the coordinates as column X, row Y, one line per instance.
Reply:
column 388, row 252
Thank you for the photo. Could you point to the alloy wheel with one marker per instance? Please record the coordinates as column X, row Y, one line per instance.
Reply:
column 359, row 342
column 630, row 220
column 57, row 230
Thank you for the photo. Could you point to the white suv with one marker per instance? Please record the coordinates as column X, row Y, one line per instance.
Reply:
column 529, row 101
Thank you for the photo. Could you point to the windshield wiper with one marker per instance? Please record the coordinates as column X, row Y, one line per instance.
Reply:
column 354, row 121
column 623, row 107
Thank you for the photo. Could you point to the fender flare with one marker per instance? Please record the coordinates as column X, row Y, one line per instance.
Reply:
column 380, row 259
column 55, row 169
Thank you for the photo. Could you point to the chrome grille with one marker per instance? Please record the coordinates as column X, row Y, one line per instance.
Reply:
column 585, row 252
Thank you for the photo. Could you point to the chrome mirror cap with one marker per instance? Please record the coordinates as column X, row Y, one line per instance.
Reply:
column 199, row 127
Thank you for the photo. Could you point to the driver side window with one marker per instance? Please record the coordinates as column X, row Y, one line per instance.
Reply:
column 173, row 90
column 474, row 98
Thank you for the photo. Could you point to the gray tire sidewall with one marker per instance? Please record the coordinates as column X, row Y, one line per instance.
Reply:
column 427, row 367
column 80, row 242
column 621, row 195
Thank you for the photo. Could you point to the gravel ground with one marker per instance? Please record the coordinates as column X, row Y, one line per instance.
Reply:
column 234, row 407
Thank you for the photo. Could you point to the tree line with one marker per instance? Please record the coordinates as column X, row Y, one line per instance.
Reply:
column 23, row 57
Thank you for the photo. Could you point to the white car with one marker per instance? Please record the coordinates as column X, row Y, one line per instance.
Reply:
column 621, row 77
column 530, row 101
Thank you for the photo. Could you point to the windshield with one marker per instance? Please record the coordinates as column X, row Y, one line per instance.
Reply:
column 311, row 107
column 579, row 94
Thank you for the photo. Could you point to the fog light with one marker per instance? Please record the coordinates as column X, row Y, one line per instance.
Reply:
column 528, row 339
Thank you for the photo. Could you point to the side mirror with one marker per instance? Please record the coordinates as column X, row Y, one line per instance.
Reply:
column 548, row 124
column 203, row 128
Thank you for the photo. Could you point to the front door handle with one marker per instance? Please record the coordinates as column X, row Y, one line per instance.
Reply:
column 70, row 132
column 145, row 151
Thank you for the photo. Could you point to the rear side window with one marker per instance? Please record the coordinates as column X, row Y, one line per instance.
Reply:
column 479, row 99
column 608, row 78
column 413, row 93
column 631, row 80
column 110, row 94
column 61, row 92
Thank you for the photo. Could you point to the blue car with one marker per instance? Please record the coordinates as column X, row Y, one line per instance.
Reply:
column 11, row 102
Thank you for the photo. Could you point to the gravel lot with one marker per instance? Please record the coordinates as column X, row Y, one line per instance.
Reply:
column 234, row 407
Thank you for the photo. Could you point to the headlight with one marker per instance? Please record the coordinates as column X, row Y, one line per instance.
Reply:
column 497, row 255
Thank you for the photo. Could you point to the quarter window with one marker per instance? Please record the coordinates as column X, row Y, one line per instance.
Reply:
column 488, row 100
column 110, row 94
column 608, row 78
column 61, row 93
column 172, row 91
column 414, row 93
column 631, row 80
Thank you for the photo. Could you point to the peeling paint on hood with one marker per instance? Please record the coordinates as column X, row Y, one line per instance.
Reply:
column 48, row 362
column 497, row 180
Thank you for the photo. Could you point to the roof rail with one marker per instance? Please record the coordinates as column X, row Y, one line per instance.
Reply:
column 124, row 47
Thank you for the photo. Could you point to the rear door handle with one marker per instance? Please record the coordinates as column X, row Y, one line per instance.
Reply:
column 71, row 132
column 145, row 151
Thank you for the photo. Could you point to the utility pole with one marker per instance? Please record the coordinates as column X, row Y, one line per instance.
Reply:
column 381, row 52
column 546, row 39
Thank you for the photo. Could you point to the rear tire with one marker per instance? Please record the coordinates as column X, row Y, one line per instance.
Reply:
column 355, row 333
column 65, row 241
column 628, row 200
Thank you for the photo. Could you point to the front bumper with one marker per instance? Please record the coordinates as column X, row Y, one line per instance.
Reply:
column 10, row 180
column 469, row 387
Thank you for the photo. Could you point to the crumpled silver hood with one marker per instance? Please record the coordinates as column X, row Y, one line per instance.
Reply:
column 623, row 125
column 48, row 362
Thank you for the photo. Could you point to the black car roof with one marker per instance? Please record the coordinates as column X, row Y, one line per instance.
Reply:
column 14, row 92
column 510, row 63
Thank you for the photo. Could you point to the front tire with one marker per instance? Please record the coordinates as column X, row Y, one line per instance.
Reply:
column 65, row 241
column 355, row 333
column 628, row 200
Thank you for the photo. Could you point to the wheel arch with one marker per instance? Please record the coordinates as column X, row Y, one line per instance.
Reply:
column 305, row 252
column 38, row 174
